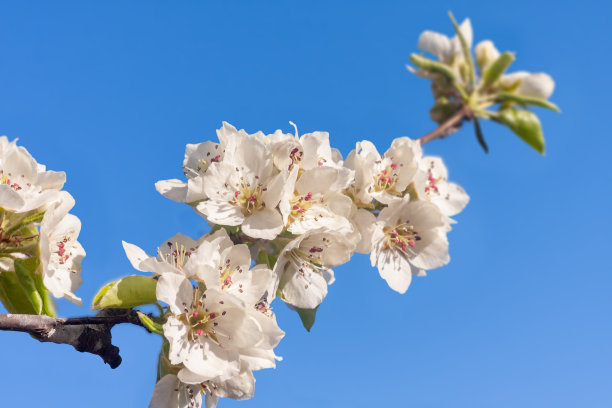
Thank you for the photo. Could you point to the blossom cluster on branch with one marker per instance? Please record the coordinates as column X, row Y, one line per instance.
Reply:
column 39, row 252
column 283, row 209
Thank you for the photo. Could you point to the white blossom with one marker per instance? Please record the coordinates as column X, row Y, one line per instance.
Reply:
column 24, row 184
column 174, row 255
column 431, row 184
column 198, row 157
column 60, row 252
column 384, row 178
column 409, row 237
column 303, row 268
column 244, row 189
column 311, row 202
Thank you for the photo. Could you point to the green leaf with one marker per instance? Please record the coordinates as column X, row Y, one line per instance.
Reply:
column 25, row 270
column 128, row 292
column 13, row 296
column 307, row 316
column 496, row 70
column 525, row 124
column 150, row 324
column 479, row 136
column 505, row 97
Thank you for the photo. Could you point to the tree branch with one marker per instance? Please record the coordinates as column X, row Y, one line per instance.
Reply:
column 451, row 125
column 85, row 334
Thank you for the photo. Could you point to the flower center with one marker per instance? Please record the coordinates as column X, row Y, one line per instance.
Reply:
column 177, row 256
column 386, row 179
column 200, row 321
column 299, row 205
column 403, row 237
column 6, row 179
column 296, row 157
column 431, row 187
column 61, row 252
column 249, row 198
column 225, row 275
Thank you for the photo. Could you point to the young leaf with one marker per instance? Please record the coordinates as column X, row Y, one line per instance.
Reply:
column 131, row 291
column 479, row 136
column 496, row 70
column 525, row 124
column 504, row 97
column 307, row 316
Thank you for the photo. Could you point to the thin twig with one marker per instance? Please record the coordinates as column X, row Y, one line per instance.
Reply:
column 451, row 125
column 86, row 334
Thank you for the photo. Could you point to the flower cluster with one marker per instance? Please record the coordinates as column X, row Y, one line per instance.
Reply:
column 292, row 203
column 39, row 251
column 219, row 327
column 465, row 87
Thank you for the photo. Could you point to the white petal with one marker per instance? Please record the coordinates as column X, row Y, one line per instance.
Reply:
column 165, row 393
column 395, row 269
column 175, row 290
column 221, row 212
column 265, row 223
column 435, row 43
column 174, row 189
column 135, row 255
column 539, row 85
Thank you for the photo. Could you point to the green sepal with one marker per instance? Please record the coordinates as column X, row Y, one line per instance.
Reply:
column 150, row 324
column 49, row 308
column 307, row 316
column 505, row 97
column 466, row 50
column 480, row 136
column 125, row 293
column 524, row 124
column 164, row 366
column 496, row 70
column 25, row 269
column 436, row 67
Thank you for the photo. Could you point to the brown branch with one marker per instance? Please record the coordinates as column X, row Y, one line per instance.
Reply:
column 85, row 334
column 451, row 125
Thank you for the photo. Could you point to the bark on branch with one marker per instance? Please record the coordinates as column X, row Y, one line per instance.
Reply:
column 85, row 334
column 451, row 125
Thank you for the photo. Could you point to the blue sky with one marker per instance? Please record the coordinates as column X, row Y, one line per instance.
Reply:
column 111, row 92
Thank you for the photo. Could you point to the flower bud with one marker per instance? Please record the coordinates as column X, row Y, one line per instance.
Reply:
column 486, row 54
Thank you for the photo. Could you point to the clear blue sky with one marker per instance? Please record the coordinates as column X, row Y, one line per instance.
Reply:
column 111, row 92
